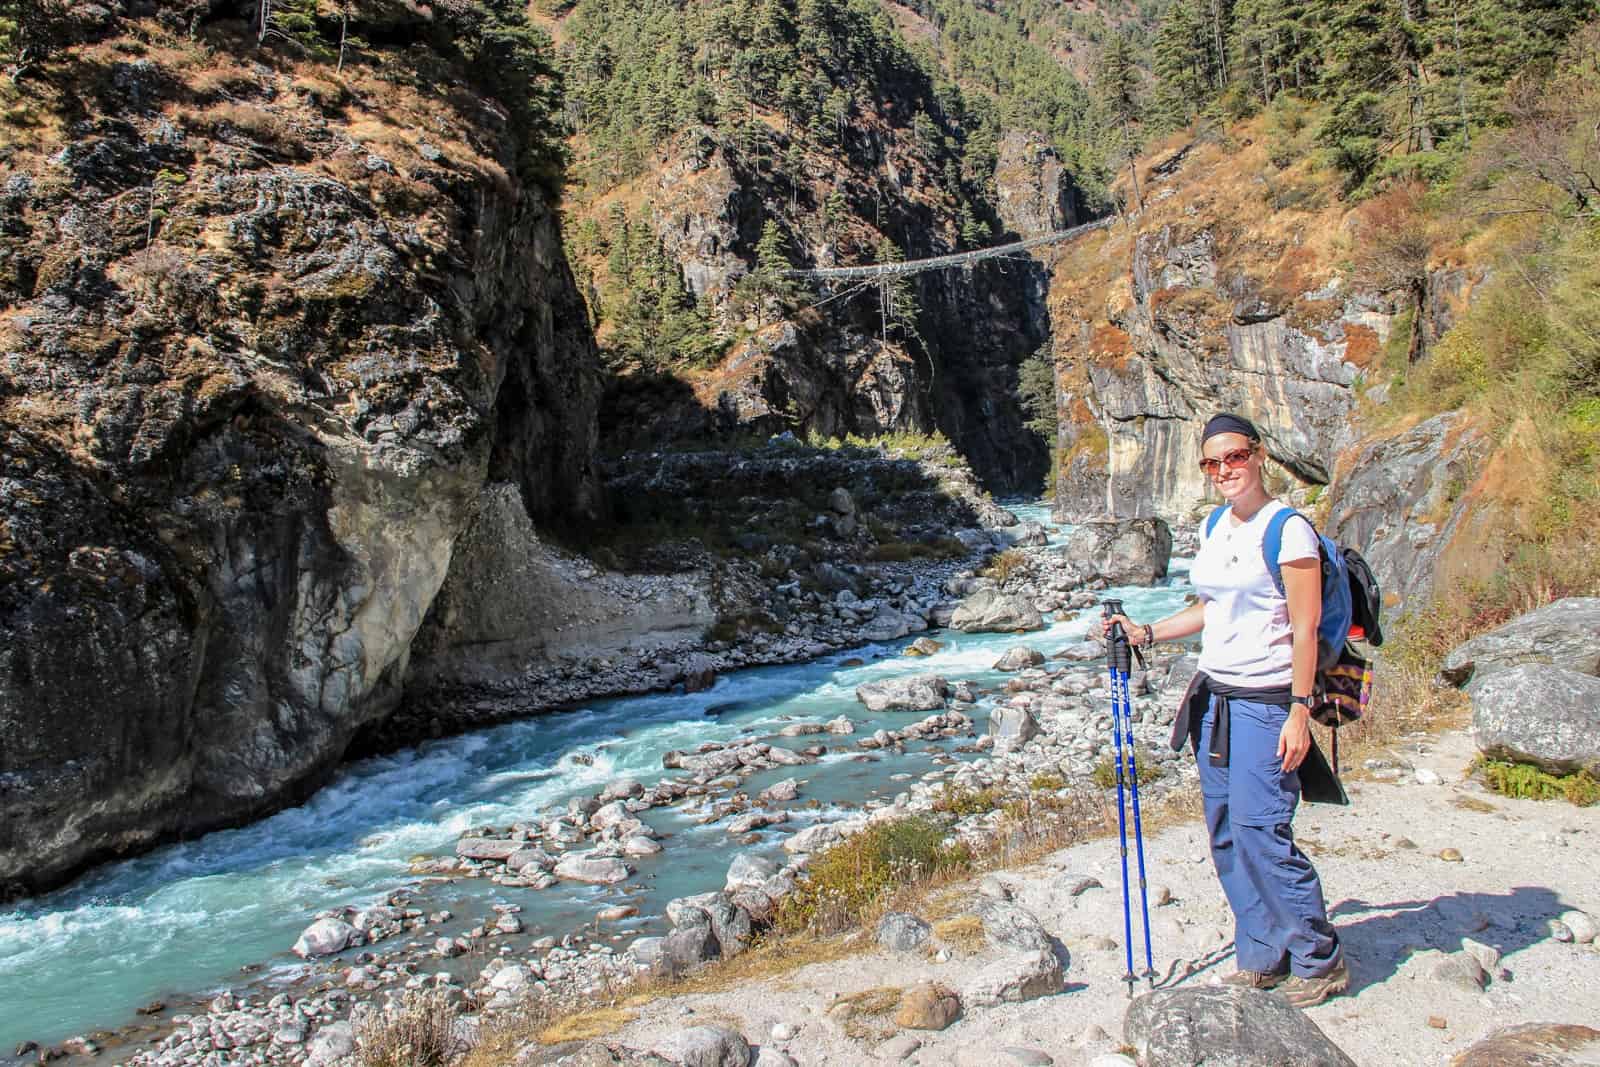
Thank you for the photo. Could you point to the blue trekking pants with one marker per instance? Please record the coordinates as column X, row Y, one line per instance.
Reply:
column 1280, row 920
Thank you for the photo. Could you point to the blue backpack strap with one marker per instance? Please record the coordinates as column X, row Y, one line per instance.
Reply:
column 1214, row 517
column 1272, row 543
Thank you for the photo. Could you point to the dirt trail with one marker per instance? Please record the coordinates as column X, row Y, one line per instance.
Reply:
column 1396, row 902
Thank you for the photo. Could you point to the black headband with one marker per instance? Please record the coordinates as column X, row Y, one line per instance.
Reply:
column 1226, row 423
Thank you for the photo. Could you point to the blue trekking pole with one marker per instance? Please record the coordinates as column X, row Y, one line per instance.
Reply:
column 1119, row 654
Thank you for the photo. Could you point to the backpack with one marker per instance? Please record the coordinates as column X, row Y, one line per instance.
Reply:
column 1351, row 605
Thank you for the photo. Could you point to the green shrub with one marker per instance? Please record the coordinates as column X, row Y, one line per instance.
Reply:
column 1002, row 566
column 960, row 802
column 1046, row 782
column 845, row 881
column 1527, row 782
column 1105, row 772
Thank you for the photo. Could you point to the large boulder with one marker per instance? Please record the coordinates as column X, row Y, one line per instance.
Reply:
column 1564, row 634
column 1223, row 1026
column 921, row 692
column 1129, row 552
column 1534, row 1045
column 1543, row 715
column 991, row 611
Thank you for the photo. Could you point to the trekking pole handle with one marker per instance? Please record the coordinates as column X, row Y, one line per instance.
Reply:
column 1118, row 650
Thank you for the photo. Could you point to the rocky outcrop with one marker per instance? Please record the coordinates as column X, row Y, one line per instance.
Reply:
column 1035, row 193
column 512, row 601
column 1202, row 334
column 241, row 444
column 1400, row 500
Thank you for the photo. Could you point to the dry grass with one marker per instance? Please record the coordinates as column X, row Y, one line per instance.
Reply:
column 595, row 1022
column 964, row 933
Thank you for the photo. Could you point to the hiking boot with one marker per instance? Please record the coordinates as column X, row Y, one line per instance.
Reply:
column 1255, row 979
column 1308, row 992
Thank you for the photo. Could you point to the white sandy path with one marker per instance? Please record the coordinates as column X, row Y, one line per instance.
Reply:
column 1524, row 863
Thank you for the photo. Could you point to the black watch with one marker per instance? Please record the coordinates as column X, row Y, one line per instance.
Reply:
column 1300, row 700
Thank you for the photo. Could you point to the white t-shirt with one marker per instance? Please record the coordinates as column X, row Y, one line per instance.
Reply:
column 1247, row 640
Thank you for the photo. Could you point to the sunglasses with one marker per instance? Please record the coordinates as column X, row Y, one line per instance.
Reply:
column 1233, row 460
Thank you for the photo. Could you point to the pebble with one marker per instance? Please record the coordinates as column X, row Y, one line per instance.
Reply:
column 1450, row 855
column 1581, row 925
column 784, row 1031
column 1083, row 885
column 1438, row 1022
column 1426, row 776
column 1560, row 931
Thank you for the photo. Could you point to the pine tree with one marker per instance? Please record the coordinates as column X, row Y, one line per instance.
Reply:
column 1117, row 83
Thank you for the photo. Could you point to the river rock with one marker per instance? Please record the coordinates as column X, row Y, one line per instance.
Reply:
column 841, row 725
column 1011, row 728
column 922, row 692
column 729, row 924
column 780, row 792
column 991, row 611
column 888, row 624
column 325, row 937
column 1028, row 535
column 640, row 845
column 524, row 858
column 1534, row 1045
column 705, row 1046
column 1026, row 976
column 1019, row 658
column 622, row 789
column 1127, row 552
column 927, row 1006
column 1223, row 1026
column 900, row 931
column 589, row 867
column 687, row 948
column 486, row 848
column 923, row 646
column 748, row 869
column 1543, row 715
column 1564, row 634
column 332, row 1042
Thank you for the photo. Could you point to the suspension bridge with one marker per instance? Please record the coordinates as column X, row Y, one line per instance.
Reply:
column 878, row 271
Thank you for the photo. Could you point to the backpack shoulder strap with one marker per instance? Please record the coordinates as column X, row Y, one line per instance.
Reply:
column 1214, row 518
column 1272, row 542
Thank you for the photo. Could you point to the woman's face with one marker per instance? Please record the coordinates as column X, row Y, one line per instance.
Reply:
column 1233, row 464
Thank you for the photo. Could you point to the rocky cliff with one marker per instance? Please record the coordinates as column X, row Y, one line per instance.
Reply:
column 827, row 143
column 266, row 331
column 1226, row 294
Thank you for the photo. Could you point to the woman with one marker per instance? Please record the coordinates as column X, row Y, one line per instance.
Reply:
column 1252, row 715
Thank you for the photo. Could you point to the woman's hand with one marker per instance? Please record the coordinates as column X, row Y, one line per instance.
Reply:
column 1294, row 740
column 1132, row 630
